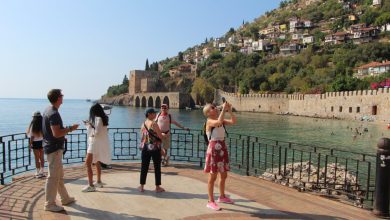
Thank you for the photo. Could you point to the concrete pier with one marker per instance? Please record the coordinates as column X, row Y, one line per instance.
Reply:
column 185, row 198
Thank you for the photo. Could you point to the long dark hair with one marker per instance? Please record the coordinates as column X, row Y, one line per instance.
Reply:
column 97, row 111
column 36, row 124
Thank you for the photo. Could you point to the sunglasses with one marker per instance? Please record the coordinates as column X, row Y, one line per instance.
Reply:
column 163, row 107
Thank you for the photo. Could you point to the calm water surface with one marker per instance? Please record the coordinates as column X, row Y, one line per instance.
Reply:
column 15, row 115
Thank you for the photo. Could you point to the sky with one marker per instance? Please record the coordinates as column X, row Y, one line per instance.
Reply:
column 83, row 47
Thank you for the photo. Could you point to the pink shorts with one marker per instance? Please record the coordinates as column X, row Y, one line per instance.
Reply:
column 217, row 158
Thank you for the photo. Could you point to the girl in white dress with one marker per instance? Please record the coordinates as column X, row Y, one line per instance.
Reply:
column 99, row 149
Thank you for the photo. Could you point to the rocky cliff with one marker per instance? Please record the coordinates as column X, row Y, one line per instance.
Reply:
column 122, row 100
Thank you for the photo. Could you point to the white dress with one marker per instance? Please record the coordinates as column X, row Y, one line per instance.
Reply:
column 98, row 142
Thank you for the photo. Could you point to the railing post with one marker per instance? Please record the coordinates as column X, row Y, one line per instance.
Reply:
column 382, row 181
column 247, row 155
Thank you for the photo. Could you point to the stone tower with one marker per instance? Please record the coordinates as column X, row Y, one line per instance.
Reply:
column 142, row 81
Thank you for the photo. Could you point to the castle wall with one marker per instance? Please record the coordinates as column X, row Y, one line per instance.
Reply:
column 141, row 81
column 343, row 105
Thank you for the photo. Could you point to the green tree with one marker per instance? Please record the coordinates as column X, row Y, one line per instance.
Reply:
column 125, row 80
column 383, row 19
column 369, row 16
column 147, row 64
column 180, row 56
column 202, row 92
column 230, row 32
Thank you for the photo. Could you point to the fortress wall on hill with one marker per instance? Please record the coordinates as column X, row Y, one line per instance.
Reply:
column 373, row 104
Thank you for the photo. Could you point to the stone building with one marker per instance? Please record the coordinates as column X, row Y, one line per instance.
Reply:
column 143, row 92
column 142, row 81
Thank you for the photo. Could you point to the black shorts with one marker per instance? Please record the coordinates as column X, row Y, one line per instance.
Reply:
column 37, row 145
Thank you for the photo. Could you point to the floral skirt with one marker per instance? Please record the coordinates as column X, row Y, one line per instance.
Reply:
column 217, row 158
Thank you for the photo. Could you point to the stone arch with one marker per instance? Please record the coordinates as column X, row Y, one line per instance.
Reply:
column 158, row 102
column 150, row 101
column 137, row 102
column 166, row 100
column 143, row 102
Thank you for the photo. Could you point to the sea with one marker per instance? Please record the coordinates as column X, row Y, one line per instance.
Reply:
column 16, row 114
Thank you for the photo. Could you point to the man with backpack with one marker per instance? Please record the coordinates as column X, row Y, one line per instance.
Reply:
column 164, row 121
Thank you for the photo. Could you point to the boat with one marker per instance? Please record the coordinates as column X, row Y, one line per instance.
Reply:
column 188, row 109
column 88, row 100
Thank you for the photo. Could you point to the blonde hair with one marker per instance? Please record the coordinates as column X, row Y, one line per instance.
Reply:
column 206, row 109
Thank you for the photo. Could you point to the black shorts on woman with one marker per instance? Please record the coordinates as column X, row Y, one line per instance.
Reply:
column 37, row 145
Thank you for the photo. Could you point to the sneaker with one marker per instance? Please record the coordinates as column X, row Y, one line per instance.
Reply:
column 54, row 208
column 163, row 162
column 213, row 206
column 89, row 189
column 98, row 185
column 225, row 200
column 167, row 161
column 41, row 172
column 69, row 201
column 36, row 174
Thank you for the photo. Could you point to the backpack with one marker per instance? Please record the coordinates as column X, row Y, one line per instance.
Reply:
column 205, row 137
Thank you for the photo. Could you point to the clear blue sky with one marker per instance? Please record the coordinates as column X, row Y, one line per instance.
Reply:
column 85, row 46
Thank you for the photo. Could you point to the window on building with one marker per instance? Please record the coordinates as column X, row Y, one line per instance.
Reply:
column 331, row 109
column 350, row 109
column 341, row 109
column 357, row 109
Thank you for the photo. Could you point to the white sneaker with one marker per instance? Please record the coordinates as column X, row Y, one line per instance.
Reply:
column 89, row 189
column 98, row 185
column 167, row 161
column 37, row 173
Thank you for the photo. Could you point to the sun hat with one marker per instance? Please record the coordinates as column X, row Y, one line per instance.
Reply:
column 36, row 114
column 149, row 111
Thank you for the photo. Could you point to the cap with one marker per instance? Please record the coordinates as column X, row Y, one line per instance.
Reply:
column 36, row 114
column 164, row 105
column 149, row 111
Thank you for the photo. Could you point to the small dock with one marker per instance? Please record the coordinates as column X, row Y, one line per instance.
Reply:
column 185, row 198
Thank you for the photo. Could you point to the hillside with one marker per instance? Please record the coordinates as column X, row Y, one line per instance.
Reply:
column 307, row 46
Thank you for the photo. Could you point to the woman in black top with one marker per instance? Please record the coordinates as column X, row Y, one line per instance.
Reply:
column 151, row 149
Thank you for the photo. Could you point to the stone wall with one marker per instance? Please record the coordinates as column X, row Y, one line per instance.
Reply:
column 140, row 80
column 155, row 99
column 367, row 104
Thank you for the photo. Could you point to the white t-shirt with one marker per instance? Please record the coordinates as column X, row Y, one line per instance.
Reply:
column 218, row 134
column 164, row 122
column 36, row 137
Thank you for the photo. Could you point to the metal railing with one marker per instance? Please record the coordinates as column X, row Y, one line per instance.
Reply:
column 348, row 175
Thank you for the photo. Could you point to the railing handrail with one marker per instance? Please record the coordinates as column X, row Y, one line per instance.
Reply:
column 250, row 155
column 242, row 135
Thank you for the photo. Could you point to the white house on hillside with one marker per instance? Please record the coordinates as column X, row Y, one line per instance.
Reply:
column 372, row 69
column 308, row 39
column 376, row 2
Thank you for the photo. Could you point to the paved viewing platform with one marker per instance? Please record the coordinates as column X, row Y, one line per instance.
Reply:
column 185, row 198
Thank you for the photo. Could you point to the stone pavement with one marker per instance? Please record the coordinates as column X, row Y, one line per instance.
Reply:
column 185, row 198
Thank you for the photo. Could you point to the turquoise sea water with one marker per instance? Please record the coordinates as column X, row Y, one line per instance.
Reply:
column 15, row 115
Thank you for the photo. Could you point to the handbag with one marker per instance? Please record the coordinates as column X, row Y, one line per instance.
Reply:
column 149, row 146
